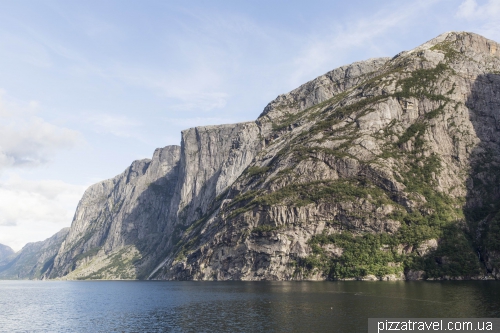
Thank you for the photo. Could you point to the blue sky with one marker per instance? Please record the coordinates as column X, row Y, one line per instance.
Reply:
column 86, row 87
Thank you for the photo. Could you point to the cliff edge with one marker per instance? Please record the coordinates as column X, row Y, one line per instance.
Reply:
column 380, row 170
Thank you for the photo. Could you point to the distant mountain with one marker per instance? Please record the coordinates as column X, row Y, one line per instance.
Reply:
column 5, row 252
column 33, row 259
column 384, row 169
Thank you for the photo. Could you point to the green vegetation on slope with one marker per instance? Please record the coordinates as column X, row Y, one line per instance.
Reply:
column 438, row 216
column 429, row 214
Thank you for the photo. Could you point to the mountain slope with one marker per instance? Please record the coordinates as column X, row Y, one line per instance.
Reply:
column 5, row 253
column 382, row 169
column 385, row 175
column 34, row 259
column 119, row 225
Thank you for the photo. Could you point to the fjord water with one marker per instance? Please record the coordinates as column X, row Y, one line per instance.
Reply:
column 133, row 306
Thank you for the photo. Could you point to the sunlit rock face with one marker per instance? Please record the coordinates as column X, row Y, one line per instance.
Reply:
column 119, row 225
column 383, row 169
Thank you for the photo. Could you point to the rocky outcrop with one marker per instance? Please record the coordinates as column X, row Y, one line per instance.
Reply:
column 33, row 260
column 384, row 169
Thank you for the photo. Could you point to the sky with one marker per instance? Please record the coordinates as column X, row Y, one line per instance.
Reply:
column 86, row 87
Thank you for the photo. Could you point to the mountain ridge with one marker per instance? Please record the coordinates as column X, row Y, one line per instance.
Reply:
column 5, row 252
column 382, row 169
column 320, row 256
column 33, row 260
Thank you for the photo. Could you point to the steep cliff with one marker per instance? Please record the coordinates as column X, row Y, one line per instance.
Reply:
column 33, row 260
column 384, row 169
column 118, row 231
column 212, row 158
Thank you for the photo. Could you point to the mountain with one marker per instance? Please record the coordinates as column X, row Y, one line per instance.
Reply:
column 383, row 169
column 119, row 228
column 5, row 253
column 33, row 260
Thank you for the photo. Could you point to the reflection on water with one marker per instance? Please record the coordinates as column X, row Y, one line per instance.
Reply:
column 118, row 306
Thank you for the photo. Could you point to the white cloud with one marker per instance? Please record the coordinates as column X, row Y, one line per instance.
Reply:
column 26, row 139
column 46, row 200
column 35, row 209
column 469, row 9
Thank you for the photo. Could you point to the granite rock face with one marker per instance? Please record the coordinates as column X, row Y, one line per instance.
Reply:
column 384, row 169
column 212, row 158
column 119, row 226
column 367, row 171
column 33, row 260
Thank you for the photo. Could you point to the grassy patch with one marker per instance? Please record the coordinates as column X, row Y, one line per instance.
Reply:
column 421, row 83
column 362, row 255
column 416, row 131
column 90, row 253
column 265, row 228
column 454, row 257
column 449, row 51
column 288, row 120
column 303, row 153
column 256, row 171
column 337, row 114
column 436, row 112
column 324, row 191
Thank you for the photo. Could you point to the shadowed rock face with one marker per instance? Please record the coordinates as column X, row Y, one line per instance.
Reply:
column 383, row 169
column 483, row 185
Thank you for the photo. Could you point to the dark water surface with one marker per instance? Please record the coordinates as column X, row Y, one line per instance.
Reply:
column 120, row 306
